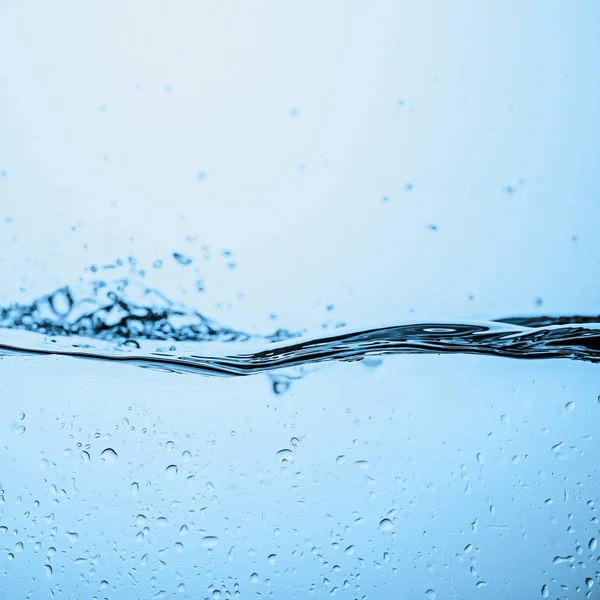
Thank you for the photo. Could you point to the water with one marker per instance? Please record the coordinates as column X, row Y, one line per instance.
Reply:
column 299, row 300
column 431, row 476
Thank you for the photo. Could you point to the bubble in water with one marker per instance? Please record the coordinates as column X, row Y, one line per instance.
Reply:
column 172, row 471
column 209, row 542
column 431, row 594
column 109, row 456
column 569, row 406
column 545, row 591
column 386, row 525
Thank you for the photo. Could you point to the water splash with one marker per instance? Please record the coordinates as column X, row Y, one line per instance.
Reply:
column 124, row 321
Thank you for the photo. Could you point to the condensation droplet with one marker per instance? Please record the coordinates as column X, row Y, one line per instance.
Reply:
column 172, row 471
column 209, row 542
column 545, row 591
column 431, row 594
column 272, row 558
column 109, row 456
column 570, row 406
column 386, row 525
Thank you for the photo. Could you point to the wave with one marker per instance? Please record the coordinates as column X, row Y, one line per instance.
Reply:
column 105, row 323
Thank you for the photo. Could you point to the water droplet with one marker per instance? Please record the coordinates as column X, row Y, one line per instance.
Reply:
column 103, row 584
column 19, row 429
column 48, row 570
column 570, row 406
column 272, row 558
column 172, row 471
column 285, row 455
column 178, row 547
column 209, row 542
column 349, row 550
column 431, row 594
column 186, row 456
column 294, row 441
column 141, row 520
column 545, row 591
column 181, row 588
column 361, row 464
column 386, row 525
column 161, row 522
column 340, row 460
column 85, row 456
column 216, row 594
column 593, row 544
column 135, row 487
column 109, row 456
column 254, row 577
column 589, row 582
column 72, row 536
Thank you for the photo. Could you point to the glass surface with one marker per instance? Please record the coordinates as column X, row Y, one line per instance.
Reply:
column 299, row 300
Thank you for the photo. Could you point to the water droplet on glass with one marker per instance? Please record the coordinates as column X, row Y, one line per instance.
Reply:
column 109, row 456
column 294, row 441
column 172, row 471
column 209, row 542
column 48, row 570
column 254, row 577
column 19, row 429
column 593, row 544
column 272, row 558
column 545, row 591
column 589, row 582
column 181, row 588
column 386, row 525
column 135, row 487
column 431, row 594
column 178, row 547
column 569, row 406
column 349, row 550
column 72, row 536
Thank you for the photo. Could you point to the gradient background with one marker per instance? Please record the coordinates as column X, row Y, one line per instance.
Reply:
column 303, row 117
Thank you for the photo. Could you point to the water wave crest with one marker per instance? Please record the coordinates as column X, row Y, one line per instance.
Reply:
column 125, row 320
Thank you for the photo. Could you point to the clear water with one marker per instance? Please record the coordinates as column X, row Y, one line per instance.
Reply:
column 299, row 300
column 428, row 476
